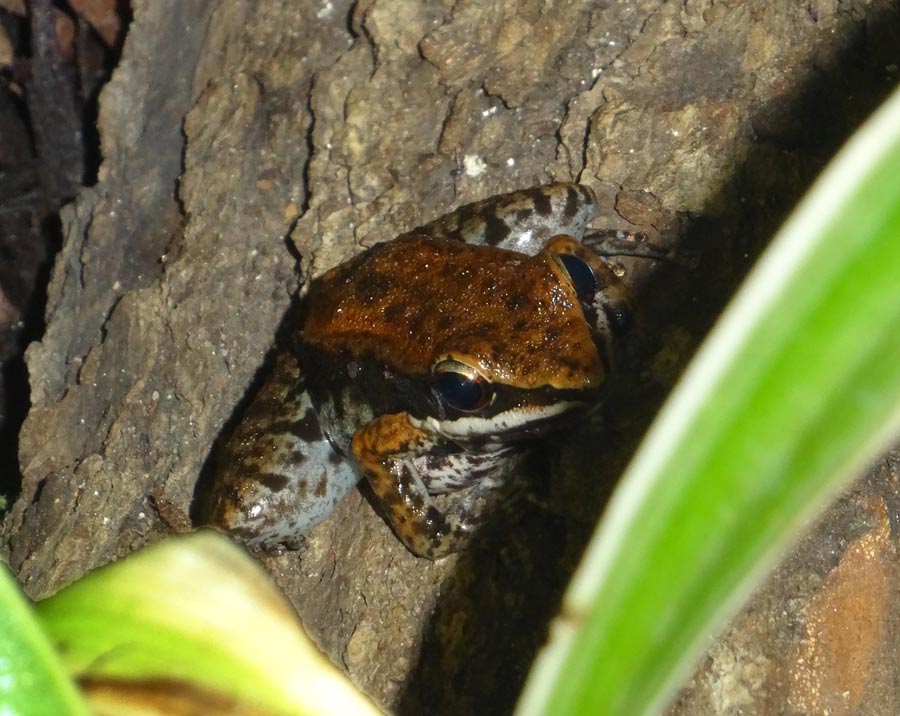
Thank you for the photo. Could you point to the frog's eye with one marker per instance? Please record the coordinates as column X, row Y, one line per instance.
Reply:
column 460, row 387
column 582, row 275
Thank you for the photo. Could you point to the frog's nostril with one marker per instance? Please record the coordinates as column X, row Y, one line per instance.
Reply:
column 619, row 318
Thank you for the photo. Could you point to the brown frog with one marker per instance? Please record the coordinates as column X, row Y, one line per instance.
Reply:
column 428, row 363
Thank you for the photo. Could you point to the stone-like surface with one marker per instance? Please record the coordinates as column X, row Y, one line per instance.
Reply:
column 844, row 622
column 821, row 636
column 237, row 134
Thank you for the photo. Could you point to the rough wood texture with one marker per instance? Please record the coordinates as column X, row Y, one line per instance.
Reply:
column 235, row 132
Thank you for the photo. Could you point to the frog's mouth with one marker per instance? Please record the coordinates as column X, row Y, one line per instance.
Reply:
column 513, row 424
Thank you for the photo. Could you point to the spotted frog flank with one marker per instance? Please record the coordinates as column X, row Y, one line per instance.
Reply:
column 425, row 365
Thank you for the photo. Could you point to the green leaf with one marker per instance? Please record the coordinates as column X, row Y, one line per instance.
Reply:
column 797, row 387
column 196, row 612
column 32, row 679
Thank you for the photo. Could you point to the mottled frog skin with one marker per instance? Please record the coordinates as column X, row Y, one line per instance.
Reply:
column 428, row 363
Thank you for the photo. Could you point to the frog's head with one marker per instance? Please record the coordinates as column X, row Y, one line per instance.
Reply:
column 531, row 349
column 499, row 345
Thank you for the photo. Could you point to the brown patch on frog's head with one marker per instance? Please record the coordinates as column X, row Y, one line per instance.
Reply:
column 514, row 318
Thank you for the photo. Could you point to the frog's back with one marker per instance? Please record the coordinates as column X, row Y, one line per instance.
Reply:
column 405, row 301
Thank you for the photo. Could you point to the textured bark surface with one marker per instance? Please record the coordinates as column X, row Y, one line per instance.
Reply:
column 240, row 135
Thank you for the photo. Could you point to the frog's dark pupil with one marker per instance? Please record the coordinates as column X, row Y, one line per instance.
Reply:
column 582, row 276
column 460, row 391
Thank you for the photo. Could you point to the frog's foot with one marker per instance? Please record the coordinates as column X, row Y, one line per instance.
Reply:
column 443, row 535
column 385, row 448
column 617, row 242
column 290, row 543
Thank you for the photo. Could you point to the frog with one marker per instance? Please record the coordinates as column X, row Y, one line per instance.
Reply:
column 424, row 365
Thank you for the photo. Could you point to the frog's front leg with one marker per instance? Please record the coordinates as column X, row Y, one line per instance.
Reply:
column 277, row 475
column 385, row 448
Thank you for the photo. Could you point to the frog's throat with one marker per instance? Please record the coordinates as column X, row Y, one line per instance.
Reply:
column 515, row 421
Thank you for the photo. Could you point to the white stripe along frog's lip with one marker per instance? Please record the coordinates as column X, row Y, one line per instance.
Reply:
column 509, row 421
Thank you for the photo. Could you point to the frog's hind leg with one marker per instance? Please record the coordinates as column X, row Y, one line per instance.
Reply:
column 277, row 476
column 385, row 448
column 521, row 220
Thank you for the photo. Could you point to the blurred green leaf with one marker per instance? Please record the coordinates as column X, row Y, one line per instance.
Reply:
column 195, row 615
column 32, row 679
column 797, row 387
